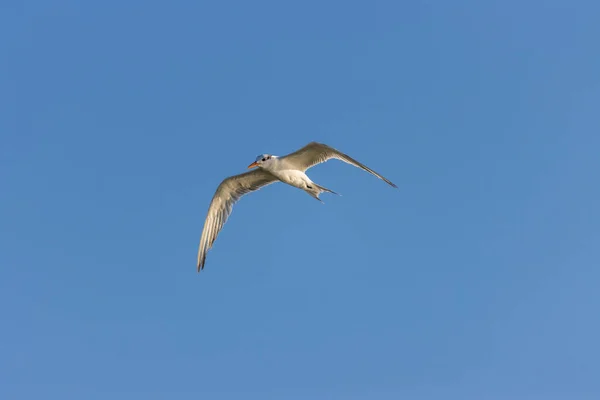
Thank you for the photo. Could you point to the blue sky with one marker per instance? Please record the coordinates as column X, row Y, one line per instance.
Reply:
column 476, row 279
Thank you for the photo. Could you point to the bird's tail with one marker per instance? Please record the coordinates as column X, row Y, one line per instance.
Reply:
column 324, row 189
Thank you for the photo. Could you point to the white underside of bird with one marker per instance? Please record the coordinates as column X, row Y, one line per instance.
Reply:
column 288, row 169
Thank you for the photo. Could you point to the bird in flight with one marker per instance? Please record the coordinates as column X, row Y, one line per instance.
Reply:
column 288, row 169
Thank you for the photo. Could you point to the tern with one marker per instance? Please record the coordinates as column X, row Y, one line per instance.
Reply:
column 288, row 169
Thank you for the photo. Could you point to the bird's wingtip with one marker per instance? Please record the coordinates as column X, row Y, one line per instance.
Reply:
column 392, row 184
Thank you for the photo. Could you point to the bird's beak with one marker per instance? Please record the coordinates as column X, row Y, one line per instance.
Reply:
column 254, row 164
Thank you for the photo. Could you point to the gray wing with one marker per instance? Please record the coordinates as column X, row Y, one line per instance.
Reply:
column 227, row 194
column 315, row 153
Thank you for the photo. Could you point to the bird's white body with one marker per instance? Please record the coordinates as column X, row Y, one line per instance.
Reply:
column 293, row 177
column 287, row 174
column 288, row 169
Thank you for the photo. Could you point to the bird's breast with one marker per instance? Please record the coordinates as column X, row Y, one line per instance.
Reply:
column 293, row 177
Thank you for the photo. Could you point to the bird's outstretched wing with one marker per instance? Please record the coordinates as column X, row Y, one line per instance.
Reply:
column 315, row 153
column 227, row 194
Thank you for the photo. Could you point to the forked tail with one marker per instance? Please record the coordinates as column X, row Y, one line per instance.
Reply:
column 324, row 189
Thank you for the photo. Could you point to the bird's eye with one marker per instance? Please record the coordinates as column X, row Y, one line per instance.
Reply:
column 263, row 159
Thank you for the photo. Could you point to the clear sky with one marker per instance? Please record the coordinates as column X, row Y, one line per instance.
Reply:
column 476, row 279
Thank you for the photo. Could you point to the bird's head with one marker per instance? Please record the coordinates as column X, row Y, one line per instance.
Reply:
column 262, row 161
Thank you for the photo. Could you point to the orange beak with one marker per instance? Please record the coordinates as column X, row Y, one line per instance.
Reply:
column 254, row 164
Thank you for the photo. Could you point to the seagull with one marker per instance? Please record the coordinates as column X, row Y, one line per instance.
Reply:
column 288, row 169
